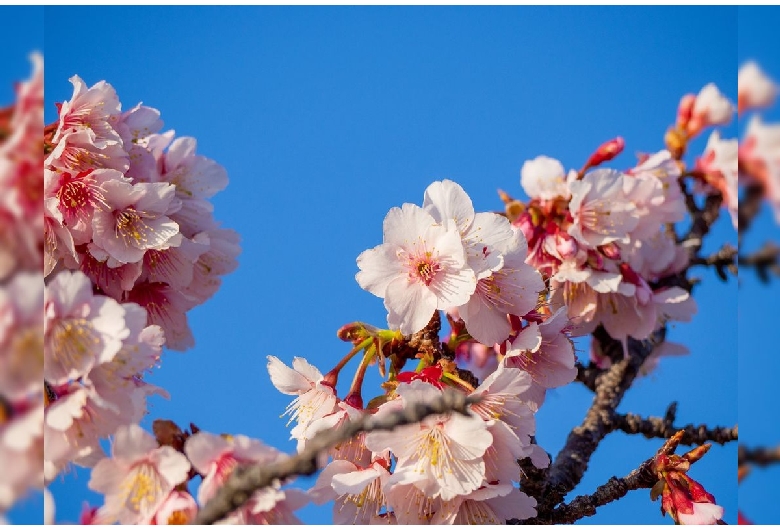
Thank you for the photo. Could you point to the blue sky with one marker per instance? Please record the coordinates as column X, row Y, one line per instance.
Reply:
column 327, row 117
column 758, row 356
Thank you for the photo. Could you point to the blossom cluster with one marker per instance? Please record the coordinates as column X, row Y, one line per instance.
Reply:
column 21, row 291
column 600, row 238
column 129, row 206
column 447, row 469
column 144, row 481
column 757, row 156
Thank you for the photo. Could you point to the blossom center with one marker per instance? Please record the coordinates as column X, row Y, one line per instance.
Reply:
column 142, row 487
column 74, row 339
column 424, row 268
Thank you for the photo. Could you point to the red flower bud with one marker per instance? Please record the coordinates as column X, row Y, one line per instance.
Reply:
column 685, row 110
column 606, row 151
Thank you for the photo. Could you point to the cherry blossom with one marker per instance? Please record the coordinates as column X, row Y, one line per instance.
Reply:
column 138, row 477
column 483, row 234
column 545, row 178
column 755, row 89
column 442, row 455
column 710, row 108
column 358, row 492
column 491, row 504
column 719, row 164
column 601, row 212
column 512, row 290
column 420, row 267
column 316, row 396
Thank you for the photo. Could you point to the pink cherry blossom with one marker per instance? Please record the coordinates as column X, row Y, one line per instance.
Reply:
column 551, row 364
column 512, row 290
column 90, row 110
column 719, row 163
column 493, row 504
column 135, row 221
column 78, row 195
column 483, row 234
column 442, row 455
column 545, row 178
column 711, row 108
column 21, row 337
column 420, row 267
column 600, row 210
column 316, row 397
column 358, row 491
column 755, row 89
column 139, row 476
column 215, row 457
column 178, row 508
column 167, row 308
column 194, row 176
column 81, row 151
column 81, row 329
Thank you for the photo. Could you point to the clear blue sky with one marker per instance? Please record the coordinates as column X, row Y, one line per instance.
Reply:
column 759, row 362
column 327, row 117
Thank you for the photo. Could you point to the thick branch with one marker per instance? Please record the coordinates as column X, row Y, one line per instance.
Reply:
column 247, row 480
column 587, row 375
column 572, row 461
column 760, row 456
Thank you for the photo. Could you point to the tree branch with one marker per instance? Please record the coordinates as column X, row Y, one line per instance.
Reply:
column 615, row 488
column 725, row 259
column 765, row 260
column 587, row 375
column 572, row 461
column 244, row 481
column 654, row 427
column 760, row 456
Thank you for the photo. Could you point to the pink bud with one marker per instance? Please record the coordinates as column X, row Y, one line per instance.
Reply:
column 526, row 226
column 685, row 109
column 355, row 400
column 611, row 250
column 606, row 151
column 698, row 493
column 566, row 245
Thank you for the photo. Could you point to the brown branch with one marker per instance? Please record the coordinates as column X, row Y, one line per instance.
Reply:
column 725, row 259
column 654, row 427
column 759, row 456
column 244, row 481
column 572, row 461
column 703, row 219
column 749, row 206
column 765, row 260
column 615, row 488
column 587, row 375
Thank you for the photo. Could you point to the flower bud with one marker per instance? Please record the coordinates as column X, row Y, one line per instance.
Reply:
column 684, row 110
column 606, row 151
column 611, row 250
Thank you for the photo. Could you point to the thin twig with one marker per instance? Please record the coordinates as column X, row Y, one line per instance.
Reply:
column 765, row 260
column 724, row 260
column 759, row 456
column 654, row 427
column 246, row 480
column 614, row 489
